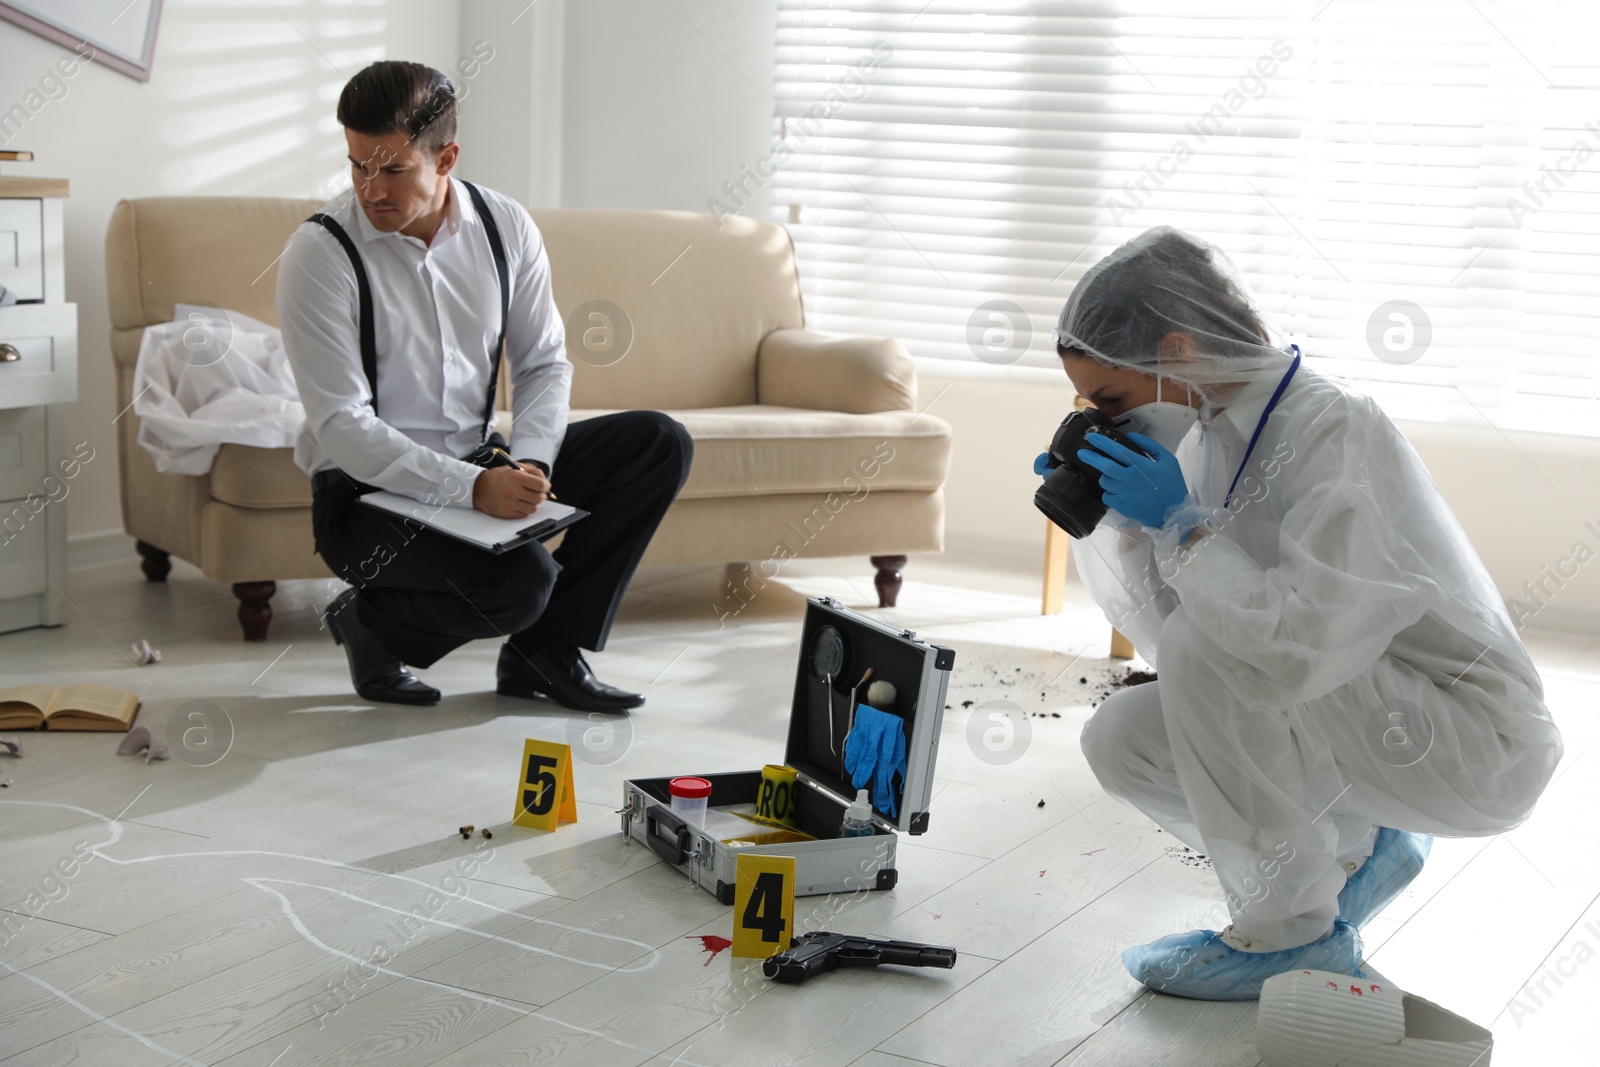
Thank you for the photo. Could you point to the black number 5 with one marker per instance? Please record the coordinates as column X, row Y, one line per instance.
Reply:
column 539, row 792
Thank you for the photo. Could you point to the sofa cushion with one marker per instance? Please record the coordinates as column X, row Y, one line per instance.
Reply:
column 753, row 449
column 762, row 449
column 696, row 294
column 221, row 250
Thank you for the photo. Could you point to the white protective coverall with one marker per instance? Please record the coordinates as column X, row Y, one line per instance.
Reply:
column 1333, row 657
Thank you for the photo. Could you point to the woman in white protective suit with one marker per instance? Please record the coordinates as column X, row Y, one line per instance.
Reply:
column 1338, row 678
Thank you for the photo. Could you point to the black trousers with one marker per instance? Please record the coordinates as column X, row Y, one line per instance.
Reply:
column 426, row 594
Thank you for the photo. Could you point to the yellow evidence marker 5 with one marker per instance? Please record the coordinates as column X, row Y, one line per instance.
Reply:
column 545, row 796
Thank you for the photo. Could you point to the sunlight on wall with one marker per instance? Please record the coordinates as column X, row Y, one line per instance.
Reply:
column 253, row 87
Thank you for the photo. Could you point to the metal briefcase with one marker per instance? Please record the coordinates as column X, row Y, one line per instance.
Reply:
column 837, row 646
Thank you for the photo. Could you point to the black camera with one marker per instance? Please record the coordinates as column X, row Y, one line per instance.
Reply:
column 1070, row 496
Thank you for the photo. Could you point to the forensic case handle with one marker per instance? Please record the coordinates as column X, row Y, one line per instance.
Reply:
column 676, row 852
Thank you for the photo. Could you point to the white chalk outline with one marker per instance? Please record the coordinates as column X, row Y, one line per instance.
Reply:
column 97, row 1017
column 655, row 954
column 288, row 910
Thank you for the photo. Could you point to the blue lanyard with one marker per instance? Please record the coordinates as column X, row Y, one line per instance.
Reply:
column 1261, row 423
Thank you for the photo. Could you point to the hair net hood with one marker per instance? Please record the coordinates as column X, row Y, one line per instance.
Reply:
column 1167, row 281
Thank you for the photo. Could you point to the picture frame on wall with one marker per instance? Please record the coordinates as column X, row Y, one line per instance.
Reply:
column 122, row 35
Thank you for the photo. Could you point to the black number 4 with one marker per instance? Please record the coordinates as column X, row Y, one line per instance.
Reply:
column 764, row 910
column 539, row 795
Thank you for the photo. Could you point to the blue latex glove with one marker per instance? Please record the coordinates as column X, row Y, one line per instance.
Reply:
column 1041, row 464
column 861, row 745
column 875, row 751
column 1201, row 965
column 1397, row 858
column 1145, row 489
column 890, row 776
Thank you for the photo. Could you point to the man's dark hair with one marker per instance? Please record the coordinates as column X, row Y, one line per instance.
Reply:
column 410, row 97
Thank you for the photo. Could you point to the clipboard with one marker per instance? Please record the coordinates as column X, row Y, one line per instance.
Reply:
column 476, row 528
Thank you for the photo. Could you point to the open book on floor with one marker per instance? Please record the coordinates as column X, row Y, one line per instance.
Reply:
column 479, row 528
column 78, row 707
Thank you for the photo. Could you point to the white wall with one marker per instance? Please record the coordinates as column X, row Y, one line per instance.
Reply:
column 240, row 103
column 510, row 126
column 618, row 103
column 663, row 102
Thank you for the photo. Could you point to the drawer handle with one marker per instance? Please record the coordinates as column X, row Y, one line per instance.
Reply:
column 9, row 353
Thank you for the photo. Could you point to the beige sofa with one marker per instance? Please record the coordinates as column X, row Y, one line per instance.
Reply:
column 805, row 444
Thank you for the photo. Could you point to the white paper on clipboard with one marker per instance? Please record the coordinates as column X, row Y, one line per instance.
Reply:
column 476, row 527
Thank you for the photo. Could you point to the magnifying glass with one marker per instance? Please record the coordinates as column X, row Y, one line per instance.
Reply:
column 827, row 660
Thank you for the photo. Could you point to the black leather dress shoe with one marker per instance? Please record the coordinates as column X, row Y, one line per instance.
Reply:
column 377, row 673
column 559, row 674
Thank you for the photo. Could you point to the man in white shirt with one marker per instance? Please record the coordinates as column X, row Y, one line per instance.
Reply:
column 394, row 301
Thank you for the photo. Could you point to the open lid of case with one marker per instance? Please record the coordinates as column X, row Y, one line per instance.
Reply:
column 837, row 646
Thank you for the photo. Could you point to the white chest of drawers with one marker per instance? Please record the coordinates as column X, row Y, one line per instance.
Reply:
column 38, row 374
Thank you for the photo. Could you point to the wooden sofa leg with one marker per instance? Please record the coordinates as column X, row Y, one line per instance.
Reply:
column 254, row 610
column 155, row 562
column 887, row 580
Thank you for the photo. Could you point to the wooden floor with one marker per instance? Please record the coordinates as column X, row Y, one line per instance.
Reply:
column 288, row 889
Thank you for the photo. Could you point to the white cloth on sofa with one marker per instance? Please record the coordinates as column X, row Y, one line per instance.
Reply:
column 208, row 378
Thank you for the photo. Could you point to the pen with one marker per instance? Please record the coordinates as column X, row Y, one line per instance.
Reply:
column 517, row 465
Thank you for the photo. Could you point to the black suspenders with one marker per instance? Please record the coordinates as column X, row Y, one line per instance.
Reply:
column 369, row 340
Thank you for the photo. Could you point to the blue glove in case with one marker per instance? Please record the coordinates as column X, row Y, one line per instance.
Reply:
column 875, row 756
column 836, row 648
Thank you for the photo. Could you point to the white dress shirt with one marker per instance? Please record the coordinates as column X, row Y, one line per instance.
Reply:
column 437, row 317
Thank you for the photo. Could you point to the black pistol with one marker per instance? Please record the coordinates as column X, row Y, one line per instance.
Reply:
column 821, row 951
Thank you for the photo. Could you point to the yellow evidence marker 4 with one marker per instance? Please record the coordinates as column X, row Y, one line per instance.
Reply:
column 763, row 905
column 545, row 796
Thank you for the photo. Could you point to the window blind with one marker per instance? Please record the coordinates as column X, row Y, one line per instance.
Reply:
column 1410, row 188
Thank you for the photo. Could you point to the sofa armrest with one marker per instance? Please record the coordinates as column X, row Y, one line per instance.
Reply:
column 834, row 372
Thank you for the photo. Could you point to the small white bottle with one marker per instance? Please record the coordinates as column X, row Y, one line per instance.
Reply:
column 857, row 817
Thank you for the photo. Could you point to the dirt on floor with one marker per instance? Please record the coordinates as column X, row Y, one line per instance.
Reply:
column 1113, row 681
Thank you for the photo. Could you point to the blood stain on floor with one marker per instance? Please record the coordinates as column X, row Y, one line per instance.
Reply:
column 712, row 944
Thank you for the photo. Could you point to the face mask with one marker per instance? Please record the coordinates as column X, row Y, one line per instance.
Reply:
column 1161, row 420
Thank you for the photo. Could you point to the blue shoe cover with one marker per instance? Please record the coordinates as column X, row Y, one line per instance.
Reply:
column 1397, row 858
column 1202, row 966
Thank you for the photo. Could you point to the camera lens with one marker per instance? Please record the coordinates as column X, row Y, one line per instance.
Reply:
column 1070, row 502
column 1071, row 496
